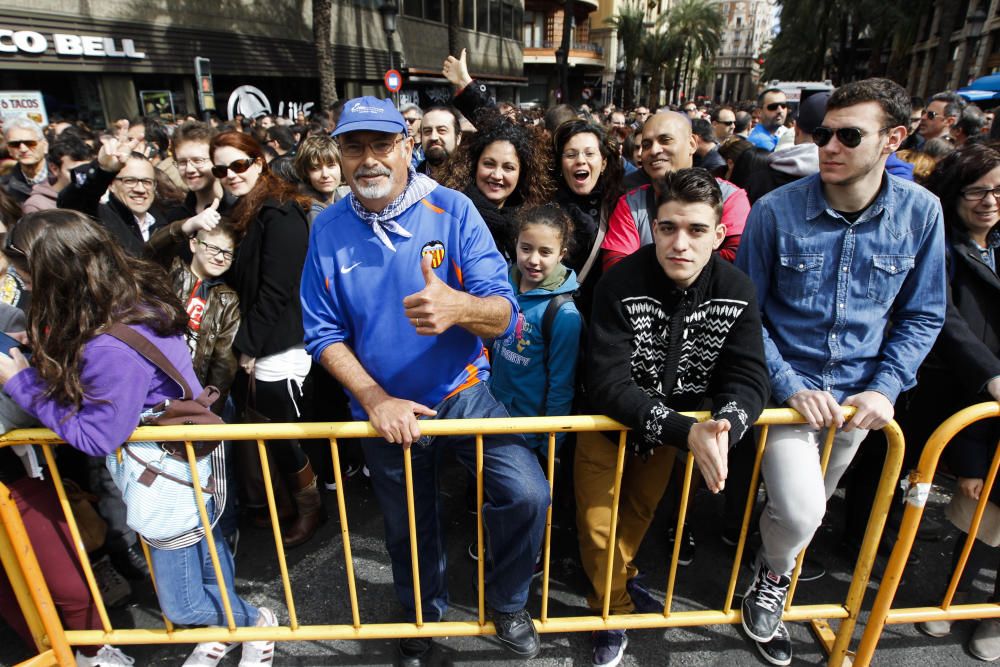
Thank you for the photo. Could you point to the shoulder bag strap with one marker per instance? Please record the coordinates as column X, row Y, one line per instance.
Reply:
column 147, row 349
column 602, row 230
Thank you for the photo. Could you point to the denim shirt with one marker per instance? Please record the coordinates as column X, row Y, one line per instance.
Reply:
column 846, row 307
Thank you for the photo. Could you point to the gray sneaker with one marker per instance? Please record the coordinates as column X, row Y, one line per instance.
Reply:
column 114, row 588
column 985, row 642
column 941, row 628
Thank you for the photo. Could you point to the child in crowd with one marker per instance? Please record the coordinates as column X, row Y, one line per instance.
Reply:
column 212, row 306
column 533, row 369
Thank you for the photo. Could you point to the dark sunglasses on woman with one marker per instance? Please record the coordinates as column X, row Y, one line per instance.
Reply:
column 236, row 166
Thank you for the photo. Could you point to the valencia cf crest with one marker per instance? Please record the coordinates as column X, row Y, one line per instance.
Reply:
column 436, row 250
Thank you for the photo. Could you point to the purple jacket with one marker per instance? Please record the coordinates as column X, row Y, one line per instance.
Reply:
column 118, row 385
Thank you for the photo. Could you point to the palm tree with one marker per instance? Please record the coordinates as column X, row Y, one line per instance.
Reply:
column 696, row 26
column 658, row 51
column 322, row 25
column 630, row 24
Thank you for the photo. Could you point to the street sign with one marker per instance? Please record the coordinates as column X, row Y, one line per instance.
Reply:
column 393, row 81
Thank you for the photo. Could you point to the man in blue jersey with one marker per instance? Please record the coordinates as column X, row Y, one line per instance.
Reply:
column 401, row 284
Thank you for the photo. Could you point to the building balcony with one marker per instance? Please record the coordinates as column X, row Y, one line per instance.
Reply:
column 583, row 7
column 580, row 53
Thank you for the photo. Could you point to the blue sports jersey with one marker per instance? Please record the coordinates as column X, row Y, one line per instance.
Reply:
column 353, row 288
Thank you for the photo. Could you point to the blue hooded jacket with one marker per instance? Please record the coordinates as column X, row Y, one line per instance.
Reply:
column 528, row 379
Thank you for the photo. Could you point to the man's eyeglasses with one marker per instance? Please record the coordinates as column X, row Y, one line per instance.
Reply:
column 930, row 115
column 380, row 148
column 410, row 121
column 130, row 182
column 236, row 166
column 774, row 106
column 725, row 122
column 27, row 143
column 849, row 137
column 979, row 194
column 196, row 162
column 215, row 251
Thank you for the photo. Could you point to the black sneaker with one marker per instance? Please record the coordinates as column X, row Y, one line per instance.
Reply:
column 643, row 600
column 609, row 647
column 778, row 651
column 516, row 632
column 763, row 603
column 686, row 555
column 131, row 563
column 414, row 651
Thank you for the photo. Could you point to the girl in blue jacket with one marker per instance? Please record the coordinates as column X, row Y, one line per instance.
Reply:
column 533, row 370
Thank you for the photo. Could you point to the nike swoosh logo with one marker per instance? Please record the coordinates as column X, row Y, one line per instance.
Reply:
column 348, row 269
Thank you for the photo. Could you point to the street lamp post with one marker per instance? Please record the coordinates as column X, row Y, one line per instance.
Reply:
column 389, row 10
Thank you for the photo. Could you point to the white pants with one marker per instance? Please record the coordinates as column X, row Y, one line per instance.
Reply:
column 797, row 490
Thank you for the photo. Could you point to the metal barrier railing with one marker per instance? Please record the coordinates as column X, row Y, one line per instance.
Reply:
column 54, row 641
column 919, row 483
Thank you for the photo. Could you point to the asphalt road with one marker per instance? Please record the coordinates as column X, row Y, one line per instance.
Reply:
column 319, row 582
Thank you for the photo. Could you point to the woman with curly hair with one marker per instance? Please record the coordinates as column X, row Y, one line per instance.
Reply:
column 502, row 168
column 270, row 215
column 588, row 172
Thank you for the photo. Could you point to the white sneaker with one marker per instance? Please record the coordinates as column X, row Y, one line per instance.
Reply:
column 114, row 588
column 108, row 656
column 208, row 654
column 260, row 653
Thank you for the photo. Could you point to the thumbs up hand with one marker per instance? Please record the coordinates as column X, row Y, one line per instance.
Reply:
column 206, row 220
column 456, row 70
column 435, row 308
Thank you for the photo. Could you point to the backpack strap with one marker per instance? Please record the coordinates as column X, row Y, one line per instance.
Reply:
column 549, row 316
column 151, row 353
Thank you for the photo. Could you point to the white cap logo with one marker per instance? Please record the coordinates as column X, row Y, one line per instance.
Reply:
column 361, row 108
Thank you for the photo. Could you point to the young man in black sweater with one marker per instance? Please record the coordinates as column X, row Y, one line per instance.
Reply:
column 674, row 328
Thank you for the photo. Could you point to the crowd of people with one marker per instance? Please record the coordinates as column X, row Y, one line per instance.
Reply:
column 476, row 260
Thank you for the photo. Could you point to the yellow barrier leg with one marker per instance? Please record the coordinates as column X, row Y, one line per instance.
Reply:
column 616, row 497
column 279, row 546
column 744, row 527
column 19, row 561
column 352, row 586
column 679, row 533
column 547, row 546
column 74, row 531
column 411, row 515
column 480, row 565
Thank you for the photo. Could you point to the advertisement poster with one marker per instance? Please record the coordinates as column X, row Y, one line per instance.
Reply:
column 21, row 103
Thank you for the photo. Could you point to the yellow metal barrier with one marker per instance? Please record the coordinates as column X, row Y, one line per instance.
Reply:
column 919, row 481
column 54, row 641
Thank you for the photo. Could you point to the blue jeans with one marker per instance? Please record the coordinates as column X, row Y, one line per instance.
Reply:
column 516, row 496
column 187, row 589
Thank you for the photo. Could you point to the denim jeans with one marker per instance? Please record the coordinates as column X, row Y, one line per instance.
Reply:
column 516, row 496
column 187, row 589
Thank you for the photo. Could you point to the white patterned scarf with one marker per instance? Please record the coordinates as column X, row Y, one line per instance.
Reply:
column 418, row 186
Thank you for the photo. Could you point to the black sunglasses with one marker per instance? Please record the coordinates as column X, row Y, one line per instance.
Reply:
column 236, row 166
column 11, row 250
column 849, row 137
column 774, row 106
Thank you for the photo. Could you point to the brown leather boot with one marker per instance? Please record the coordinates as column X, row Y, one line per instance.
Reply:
column 312, row 514
column 283, row 502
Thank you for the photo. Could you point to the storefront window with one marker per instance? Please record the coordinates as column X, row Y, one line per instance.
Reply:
column 469, row 14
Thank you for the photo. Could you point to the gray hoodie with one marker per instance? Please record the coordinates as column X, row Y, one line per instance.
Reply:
column 798, row 161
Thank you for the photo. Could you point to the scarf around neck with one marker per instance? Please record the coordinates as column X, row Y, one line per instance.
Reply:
column 417, row 187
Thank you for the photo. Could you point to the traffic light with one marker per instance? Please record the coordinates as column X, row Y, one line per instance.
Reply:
column 206, row 93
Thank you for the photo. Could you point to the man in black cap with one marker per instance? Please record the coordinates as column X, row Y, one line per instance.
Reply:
column 802, row 159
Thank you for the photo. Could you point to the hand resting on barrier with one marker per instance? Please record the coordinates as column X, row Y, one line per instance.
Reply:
column 708, row 441
column 819, row 408
column 874, row 411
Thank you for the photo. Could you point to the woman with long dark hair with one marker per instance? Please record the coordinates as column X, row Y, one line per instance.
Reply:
column 91, row 387
column 503, row 167
column 963, row 368
column 588, row 173
column 270, row 216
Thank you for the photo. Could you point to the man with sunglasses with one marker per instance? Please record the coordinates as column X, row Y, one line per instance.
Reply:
column 773, row 111
column 850, row 277
column 130, row 214
column 723, row 122
column 942, row 112
column 25, row 143
column 401, row 284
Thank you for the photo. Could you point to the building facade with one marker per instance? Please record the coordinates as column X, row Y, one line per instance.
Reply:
column 120, row 58
column 749, row 25
column 958, row 41
column 543, row 34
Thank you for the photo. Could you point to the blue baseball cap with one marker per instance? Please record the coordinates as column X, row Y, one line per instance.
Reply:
column 372, row 114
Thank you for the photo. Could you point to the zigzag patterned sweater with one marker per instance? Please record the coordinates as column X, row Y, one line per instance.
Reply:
column 656, row 350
